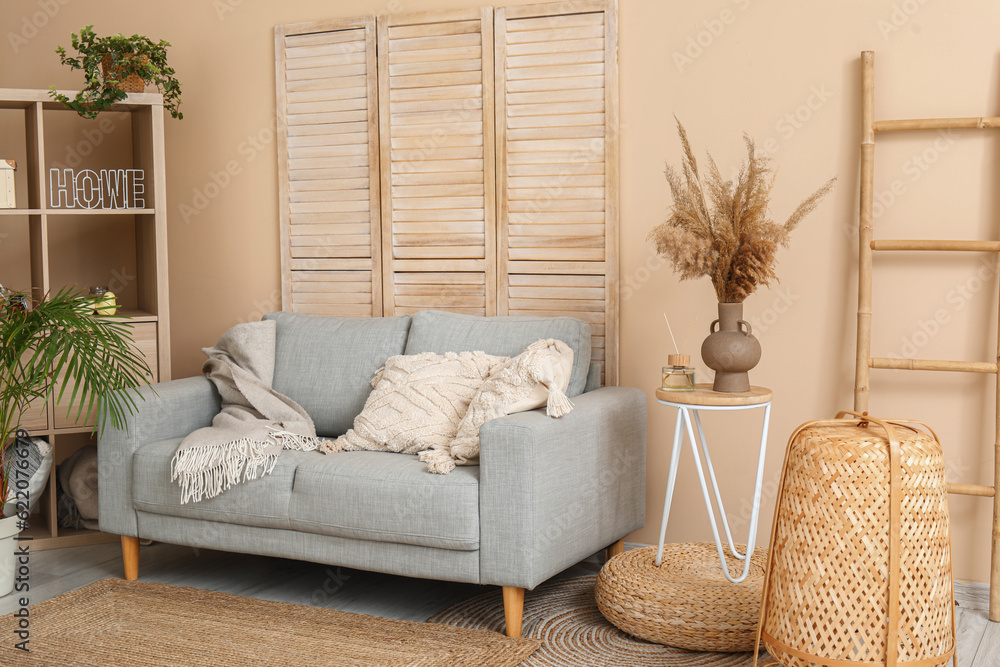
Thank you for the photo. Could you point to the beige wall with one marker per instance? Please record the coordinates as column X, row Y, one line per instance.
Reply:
column 785, row 72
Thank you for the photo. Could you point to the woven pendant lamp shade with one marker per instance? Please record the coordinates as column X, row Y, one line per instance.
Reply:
column 860, row 570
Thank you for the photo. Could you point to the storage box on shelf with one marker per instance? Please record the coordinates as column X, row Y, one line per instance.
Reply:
column 148, row 308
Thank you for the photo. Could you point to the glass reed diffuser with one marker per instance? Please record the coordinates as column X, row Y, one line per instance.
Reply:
column 678, row 375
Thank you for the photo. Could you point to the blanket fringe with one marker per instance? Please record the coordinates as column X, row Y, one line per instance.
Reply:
column 206, row 472
column 289, row 440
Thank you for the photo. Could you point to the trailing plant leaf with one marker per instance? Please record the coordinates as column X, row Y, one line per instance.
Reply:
column 124, row 56
column 722, row 229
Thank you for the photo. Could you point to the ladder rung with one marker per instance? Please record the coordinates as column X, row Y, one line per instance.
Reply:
column 936, row 124
column 933, row 365
column 920, row 244
column 971, row 490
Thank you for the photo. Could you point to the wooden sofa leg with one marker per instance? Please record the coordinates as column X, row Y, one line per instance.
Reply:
column 513, row 609
column 615, row 549
column 130, row 554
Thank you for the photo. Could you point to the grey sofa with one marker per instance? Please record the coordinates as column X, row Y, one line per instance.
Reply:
column 547, row 493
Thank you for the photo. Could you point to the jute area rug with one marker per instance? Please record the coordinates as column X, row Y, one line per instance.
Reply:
column 564, row 616
column 132, row 624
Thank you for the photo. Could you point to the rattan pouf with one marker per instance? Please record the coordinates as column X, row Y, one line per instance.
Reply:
column 860, row 566
column 686, row 602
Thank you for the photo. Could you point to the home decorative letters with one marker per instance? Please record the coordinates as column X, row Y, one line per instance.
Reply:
column 109, row 188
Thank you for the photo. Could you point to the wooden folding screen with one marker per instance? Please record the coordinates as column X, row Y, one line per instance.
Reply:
column 461, row 160
column 328, row 154
column 558, row 177
column 437, row 147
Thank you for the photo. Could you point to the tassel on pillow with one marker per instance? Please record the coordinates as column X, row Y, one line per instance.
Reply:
column 438, row 461
column 558, row 404
column 536, row 377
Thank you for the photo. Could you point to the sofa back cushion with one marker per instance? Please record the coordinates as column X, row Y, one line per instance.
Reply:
column 440, row 332
column 325, row 364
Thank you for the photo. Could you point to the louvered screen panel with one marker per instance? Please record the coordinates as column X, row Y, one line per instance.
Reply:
column 328, row 155
column 557, row 167
column 438, row 156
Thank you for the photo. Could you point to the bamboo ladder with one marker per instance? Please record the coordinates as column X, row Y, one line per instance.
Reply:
column 867, row 246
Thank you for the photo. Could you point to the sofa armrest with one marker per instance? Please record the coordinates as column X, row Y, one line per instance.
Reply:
column 554, row 491
column 164, row 411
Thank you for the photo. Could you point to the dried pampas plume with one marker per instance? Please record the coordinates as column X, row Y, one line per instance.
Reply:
column 721, row 229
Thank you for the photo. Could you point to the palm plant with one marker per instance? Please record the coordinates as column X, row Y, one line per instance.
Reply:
column 60, row 338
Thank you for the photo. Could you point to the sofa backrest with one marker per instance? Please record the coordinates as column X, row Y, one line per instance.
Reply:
column 325, row 364
column 594, row 376
column 439, row 332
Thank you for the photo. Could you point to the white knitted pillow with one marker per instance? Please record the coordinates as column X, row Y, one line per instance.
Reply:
column 417, row 402
column 536, row 377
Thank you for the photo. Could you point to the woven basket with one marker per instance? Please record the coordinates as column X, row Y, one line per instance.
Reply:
column 860, row 568
column 686, row 602
column 132, row 83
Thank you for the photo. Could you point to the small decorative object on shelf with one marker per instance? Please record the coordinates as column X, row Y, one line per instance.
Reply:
column 109, row 189
column 721, row 229
column 17, row 303
column 105, row 302
column 679, row 375
column 7, row 169
column 115, row 66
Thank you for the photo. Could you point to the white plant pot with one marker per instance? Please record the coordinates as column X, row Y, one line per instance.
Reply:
column 8, row 544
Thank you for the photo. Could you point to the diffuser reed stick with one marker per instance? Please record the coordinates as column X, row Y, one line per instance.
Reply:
column 678, row 374
column 667, row 320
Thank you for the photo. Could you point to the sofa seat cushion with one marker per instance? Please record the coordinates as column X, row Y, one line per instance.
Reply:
column 386, row 497
column 326, row 364
column 440, row 332
column 261, row 502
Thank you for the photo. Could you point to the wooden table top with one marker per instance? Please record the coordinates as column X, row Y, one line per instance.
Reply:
column 702, row 394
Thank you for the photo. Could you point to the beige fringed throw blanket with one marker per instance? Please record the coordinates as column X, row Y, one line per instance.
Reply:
column 256, row 423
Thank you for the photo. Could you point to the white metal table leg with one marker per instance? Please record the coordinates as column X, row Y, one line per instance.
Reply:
column 715, row 486
column 675, row 457
column 755, row 509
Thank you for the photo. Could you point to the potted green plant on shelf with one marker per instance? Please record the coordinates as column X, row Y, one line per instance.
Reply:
column 58, row 337
column 115, row 66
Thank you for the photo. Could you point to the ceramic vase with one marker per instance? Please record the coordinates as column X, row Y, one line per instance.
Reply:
column 731, row 349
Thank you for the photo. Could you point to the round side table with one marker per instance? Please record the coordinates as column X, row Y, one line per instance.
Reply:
column 689, row 404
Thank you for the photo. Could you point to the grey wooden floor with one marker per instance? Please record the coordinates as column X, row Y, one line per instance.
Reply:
column 61, row 570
